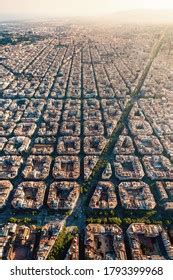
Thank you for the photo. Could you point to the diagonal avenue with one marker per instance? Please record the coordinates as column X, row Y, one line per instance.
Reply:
column 77, row 216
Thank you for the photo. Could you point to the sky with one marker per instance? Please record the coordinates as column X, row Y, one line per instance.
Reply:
column 77, row 7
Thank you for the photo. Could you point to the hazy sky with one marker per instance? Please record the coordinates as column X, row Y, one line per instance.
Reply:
column 78, row 7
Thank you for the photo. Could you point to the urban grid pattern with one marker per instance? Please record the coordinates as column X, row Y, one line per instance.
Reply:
column 86, row 141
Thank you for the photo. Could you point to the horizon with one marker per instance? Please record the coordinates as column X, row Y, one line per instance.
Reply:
column 23, row 17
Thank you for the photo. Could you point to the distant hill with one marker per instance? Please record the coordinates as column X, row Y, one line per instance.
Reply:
column 142, row 16
column 131, row 16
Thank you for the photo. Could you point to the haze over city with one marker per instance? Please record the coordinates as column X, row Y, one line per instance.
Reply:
column 77, row 7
